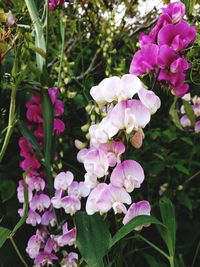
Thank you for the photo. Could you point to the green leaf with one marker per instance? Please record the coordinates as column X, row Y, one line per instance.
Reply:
column 173, row 112
column 93, row 238
column 168, row 217
column 189, row 111
column 38, row 50
column 152, row 261
column 48, row 117
column 7, row 189
column 4, row 234
column 31, row 138
column 23, row 218
column 129, row 227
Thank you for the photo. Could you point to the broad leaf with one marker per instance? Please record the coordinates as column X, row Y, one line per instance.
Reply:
column 7, row 189
column 129, row 227
column 93, row 238
column 4, row 234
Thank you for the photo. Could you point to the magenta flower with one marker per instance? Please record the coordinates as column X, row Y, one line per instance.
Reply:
column 144, row 60
column 128, row 174
column 59, row 126
column 175, row 10
column 178, row 36
column 55, row 3
column 140, row 208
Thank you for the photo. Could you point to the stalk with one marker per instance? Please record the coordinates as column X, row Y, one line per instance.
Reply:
column 18, row 252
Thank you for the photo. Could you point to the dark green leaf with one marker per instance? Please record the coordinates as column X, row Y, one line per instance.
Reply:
column 4, row 234
column 48, row 117
column 169, row 220
column 93, row 238
column 7, row 189
column 129, row 227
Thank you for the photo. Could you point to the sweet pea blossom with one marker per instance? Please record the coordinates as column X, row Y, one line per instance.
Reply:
column 104, row 196
column 70, row 260
column 116, row 89
column 63, row 180
column 175, row 10
column 149, row 99
column 71, row 204
column 34, row 244
column 197, row 127
column 67, row 237
column 128, row 174
column 40, row 202
column 140, row 208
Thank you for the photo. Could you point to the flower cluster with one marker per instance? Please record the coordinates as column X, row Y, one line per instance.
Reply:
column 40, row 210
column 110, row 179
column 162, row 49
column 194, row 102
column 43, row 246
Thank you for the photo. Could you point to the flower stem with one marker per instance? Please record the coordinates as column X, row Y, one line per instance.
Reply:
column 156, row 248
column 11, row 122
column 18, row 252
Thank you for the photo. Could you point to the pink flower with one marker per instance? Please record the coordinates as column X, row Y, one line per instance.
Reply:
column 59, row 126
column 140, row 208
column 128, row 174
column 40, row 202
column 33, row 217
column 96, row 162
column 149, row 99
column 78, row 189
column 103, row 197
column 68, row 236
column 57, row 199
column 71, row 204
column 34, row 244
column 185, row 121
column 46, row 257
column 63, row 180
column 48, row 218
column 197, row 127
column 70, row 260
column 55, row 3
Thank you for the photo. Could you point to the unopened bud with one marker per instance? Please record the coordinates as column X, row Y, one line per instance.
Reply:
column 137, row 139
column 78, row 144
column 85, row 128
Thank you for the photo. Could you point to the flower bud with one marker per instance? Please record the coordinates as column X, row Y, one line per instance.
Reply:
column 137, row 139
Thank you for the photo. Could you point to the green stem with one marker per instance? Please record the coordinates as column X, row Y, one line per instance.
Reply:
column 18, row 252
column 155, row 247
column 11, row 122
column 62, row 30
